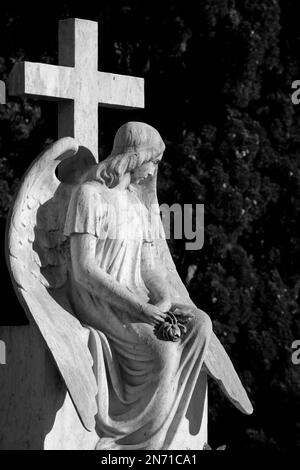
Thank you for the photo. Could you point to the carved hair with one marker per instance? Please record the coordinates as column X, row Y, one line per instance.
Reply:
column 135, row 143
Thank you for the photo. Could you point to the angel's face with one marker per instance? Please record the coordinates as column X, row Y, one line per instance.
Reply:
column 146, row 170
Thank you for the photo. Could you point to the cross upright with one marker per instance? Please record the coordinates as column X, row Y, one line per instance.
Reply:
column 77, row 84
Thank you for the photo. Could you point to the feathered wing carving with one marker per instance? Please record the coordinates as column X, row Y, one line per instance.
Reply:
column 37, row 256
column 217, row 361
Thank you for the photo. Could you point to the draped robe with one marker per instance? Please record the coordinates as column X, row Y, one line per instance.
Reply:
column 144, row 383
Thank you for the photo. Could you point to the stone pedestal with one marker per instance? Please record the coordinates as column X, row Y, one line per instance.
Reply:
column 36, row 411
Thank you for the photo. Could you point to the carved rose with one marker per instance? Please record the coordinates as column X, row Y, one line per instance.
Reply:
column 171, row 329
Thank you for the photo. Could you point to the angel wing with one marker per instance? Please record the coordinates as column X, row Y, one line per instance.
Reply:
column 37, row 255
column 217, row 361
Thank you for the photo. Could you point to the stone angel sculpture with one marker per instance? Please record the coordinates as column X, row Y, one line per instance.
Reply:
column 89, row 253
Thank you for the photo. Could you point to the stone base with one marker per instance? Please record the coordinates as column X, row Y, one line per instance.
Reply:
column 36, row 411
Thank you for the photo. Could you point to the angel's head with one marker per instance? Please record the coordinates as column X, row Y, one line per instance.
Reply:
column 136, row 152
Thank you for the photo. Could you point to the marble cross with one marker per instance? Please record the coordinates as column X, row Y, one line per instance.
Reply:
column 77, row 84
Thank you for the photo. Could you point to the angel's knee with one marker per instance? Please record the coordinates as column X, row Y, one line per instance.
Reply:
column 203, row 324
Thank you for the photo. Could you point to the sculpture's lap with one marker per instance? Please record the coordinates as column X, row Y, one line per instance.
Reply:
column 139, row 348
column 147, row 382
column 161, row 377
column 199, row 327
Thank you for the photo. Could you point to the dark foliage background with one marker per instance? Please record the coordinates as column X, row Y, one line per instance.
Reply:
column 218, row 87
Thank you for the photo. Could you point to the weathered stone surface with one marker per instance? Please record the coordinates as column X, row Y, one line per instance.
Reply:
column 36, row 411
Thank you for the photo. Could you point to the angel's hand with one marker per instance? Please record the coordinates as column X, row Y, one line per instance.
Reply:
column 153, row 315
column 183, row 313
column 164, row 305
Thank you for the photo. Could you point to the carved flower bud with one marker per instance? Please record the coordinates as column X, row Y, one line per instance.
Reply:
column 174, row 333
column 170, row 330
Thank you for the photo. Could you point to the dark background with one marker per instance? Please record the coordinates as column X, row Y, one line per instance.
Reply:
column 218, row 88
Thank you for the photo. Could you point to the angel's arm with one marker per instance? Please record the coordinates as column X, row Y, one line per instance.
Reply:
column 154, row 278
column 100, row 283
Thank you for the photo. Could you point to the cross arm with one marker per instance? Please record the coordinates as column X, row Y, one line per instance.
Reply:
column 41, row 80
column 122, row 91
